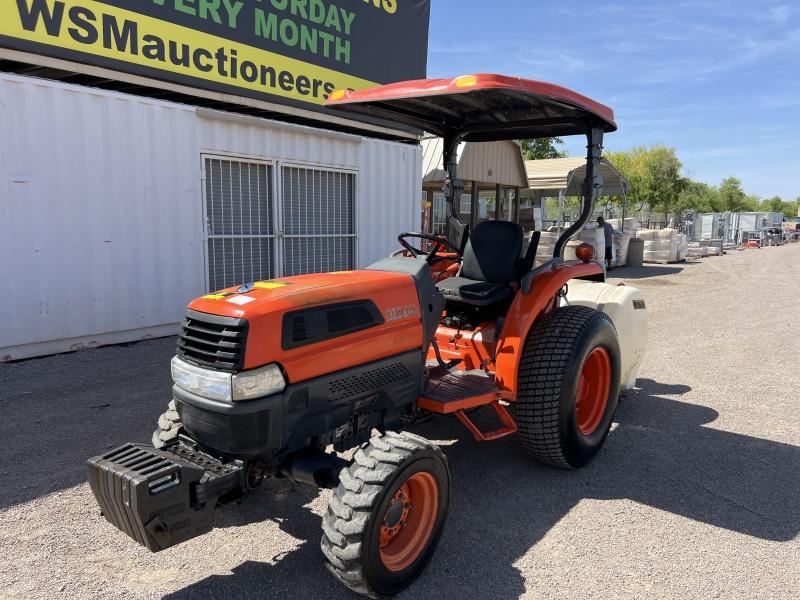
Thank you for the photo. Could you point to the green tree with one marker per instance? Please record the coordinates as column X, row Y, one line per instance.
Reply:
column 631, row 163
column 654, row 175
column 541, row 148
column 665, row 179
column 792, row 209
column 774, row 204
column 732, row 195
column 655, row 180
column 751, row 203
column 779, row 205
column 700, row 197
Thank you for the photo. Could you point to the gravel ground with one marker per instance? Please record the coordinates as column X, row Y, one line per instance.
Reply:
column 695, row 495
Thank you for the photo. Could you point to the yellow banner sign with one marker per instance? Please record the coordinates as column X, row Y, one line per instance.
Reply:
column 118, row 37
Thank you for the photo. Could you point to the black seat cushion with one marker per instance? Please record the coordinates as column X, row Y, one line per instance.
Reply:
column 493, row 252
column 477, row 293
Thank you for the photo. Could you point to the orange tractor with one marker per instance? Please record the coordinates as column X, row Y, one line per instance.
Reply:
column 317, row 377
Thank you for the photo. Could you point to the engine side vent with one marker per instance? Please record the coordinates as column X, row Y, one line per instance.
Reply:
column 213, row 341
column 311, row 325
column 364, row 383
column 301, row 330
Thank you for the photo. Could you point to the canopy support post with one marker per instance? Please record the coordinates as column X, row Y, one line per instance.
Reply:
column 515, row 213
column 475, row 204
column 560, row 216
column 430, row 210
column 592, row 185
column 624, row 205
column 453, row 188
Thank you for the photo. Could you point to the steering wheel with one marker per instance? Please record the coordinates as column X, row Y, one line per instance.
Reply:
column 431, row 257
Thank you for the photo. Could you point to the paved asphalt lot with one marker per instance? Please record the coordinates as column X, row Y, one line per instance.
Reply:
column 695, row 495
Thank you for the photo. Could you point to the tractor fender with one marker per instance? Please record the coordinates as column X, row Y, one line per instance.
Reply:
column 537, row 293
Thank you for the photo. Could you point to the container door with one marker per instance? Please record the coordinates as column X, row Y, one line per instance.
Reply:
column 240, row 228
column 318, row 232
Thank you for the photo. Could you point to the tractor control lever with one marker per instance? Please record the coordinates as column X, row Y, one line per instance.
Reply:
column 445, row 365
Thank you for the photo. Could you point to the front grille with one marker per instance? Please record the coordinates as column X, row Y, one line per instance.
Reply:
column 213, row 341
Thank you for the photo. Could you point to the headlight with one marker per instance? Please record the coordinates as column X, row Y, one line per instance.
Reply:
column 258, row 382
column 203, row 382
column 225, row 386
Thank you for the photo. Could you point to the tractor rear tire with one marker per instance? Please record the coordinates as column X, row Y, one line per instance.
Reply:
column 568, row 388
column 387, row 513
column 169, row 427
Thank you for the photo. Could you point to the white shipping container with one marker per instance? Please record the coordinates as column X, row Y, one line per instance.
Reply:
column 749, row 222
column 709, row 225
column 103, row 229
column 774, row 219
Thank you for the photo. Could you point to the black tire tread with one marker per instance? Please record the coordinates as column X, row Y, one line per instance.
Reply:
column 544, row 363
column 348, row 513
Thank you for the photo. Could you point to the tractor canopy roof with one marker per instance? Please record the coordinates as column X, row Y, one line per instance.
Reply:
column 480, row 108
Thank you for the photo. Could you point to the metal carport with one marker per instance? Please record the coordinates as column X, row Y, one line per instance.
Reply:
column 496, row 166
column 563, row 177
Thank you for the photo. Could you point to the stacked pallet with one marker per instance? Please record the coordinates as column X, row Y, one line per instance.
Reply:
column 570, row 250
column 683, row 246
column 631, row 224
column 697, row 251
column 715, row 246
column 547, row 245
column 621, row 243
column 630, row 227
column 591, row 234
column 660, row 245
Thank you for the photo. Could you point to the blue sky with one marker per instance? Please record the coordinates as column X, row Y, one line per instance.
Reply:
column 719, row 80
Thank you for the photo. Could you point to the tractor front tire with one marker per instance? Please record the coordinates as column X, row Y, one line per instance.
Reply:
column 169, row 426
column 568, row 386
column 387, row 513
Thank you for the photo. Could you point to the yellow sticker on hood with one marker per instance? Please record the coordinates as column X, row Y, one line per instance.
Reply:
column 269, row 285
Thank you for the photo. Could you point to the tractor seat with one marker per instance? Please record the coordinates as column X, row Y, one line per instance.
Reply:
column 476, row 293
column 490, row 264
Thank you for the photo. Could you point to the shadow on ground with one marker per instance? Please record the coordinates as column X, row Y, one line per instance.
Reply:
column 644, row 272
column 661, row 455
column 61, row 410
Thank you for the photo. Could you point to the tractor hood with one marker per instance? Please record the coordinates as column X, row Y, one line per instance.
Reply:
column 288, row 293
column 314, row 324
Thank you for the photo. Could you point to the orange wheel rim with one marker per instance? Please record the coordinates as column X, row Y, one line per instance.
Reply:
column 408, row 523
column 593, row 386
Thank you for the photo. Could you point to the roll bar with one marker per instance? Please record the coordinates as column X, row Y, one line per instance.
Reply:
column 592, row 187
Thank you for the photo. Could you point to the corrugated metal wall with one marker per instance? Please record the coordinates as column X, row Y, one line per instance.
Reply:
column 99, row 224
column 101, row 207
column 389, row 197
column 493, row 162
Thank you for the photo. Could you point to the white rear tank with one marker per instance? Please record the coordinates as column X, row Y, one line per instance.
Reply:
column 626, row 307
